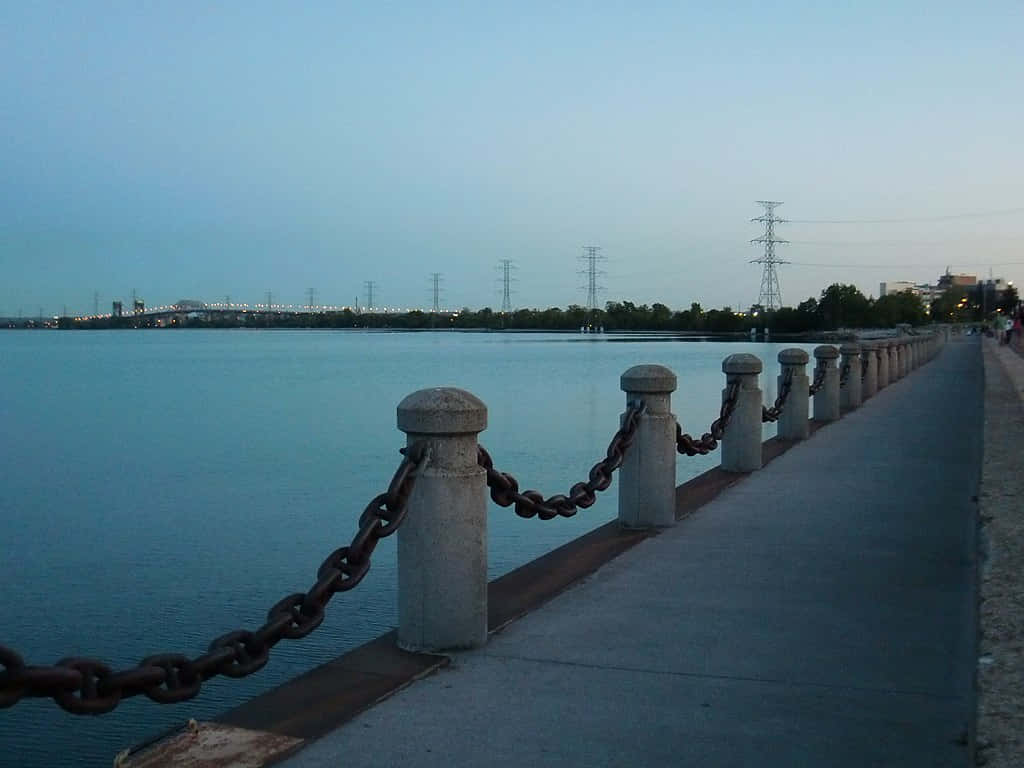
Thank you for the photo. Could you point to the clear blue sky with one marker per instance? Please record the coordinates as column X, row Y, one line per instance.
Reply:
column 189, row 149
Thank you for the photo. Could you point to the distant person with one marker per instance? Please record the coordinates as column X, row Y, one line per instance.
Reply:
column 1014, row 332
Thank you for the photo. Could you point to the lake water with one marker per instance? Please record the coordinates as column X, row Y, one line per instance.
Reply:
column 161, row 488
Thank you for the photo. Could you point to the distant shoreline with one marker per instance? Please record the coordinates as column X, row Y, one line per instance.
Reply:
column 608, row 335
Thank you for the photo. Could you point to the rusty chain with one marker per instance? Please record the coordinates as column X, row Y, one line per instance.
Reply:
column 819, row 378
column 864, row 366
column 85, row 686
column 505, row 488
column 844, row 375
column 685, row 443
column 773, row 413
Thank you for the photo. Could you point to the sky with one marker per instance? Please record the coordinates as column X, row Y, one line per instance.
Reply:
column 203, row 150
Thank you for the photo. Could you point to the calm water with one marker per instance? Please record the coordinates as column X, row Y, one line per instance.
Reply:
column 161, row 488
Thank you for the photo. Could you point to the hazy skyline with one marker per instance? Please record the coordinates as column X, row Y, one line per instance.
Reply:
column 193, row 151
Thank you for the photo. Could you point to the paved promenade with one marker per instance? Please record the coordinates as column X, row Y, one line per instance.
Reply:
column 820, row 612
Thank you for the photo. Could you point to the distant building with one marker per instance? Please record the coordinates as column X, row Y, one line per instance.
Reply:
column 948, row 280
column 899, row 286
column 117, row 309
column 926, row 293
column 139, row 306
column 986, row 293
column 996, row 284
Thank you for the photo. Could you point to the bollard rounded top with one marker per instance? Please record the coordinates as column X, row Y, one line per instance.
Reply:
column 826, row 352
column 648, row 378
column 849, row 348
column 741, row 363
column 793, row 356
column 869, row 346
column 442, row 411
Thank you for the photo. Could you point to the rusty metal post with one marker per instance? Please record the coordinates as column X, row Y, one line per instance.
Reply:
column 647, row 481
column 793, row 424
column 741, row 441
column 442, row 545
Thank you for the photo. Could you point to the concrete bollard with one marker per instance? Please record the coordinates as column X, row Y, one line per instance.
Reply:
column 442, row 545
column 850, row 395
column 647, row 478
column 741, row 441
column 894, row 361
column 904, row 358
column 869, row 384
column 883, row 363
column 792, row 422
column 826, row 399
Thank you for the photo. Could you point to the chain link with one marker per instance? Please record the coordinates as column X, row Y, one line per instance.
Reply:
column 844, row 375
column 505, row 488
column 773, row 413
column 685, row 443
column 819, row 378
column 864, row 366
column 85, row 686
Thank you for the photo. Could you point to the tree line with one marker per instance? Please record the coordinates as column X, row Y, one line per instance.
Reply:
column 838, row 306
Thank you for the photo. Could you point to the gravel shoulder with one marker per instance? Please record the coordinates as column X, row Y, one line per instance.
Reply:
column 1001, row 508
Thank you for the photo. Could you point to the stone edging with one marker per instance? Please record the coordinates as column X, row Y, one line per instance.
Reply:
column 1001, row 511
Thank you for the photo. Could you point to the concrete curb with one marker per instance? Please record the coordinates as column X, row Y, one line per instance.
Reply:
column 1001, row 509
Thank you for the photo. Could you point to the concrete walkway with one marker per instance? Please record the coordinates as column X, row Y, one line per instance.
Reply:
column 821, row 612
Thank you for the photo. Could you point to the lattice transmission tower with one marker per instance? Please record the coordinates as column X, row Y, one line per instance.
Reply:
column 770, row 296
column 591, row 256
column 370, row 286
column 506, row 267
column 435, row 279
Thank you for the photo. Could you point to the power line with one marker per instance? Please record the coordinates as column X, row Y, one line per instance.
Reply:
column 914, row 219
column 591, row 256
column 770, row 297
column 907, row 266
